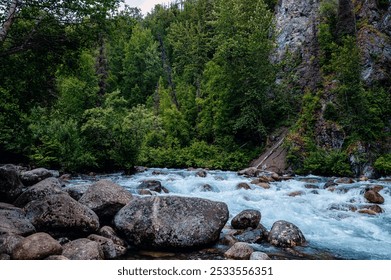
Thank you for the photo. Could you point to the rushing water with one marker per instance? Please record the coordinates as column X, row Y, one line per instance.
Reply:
column 321, row 214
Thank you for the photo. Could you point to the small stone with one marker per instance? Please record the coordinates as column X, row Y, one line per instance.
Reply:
column 243, row 186
column 259, row 256
column 265, row 186
column 296, row 193
column 239, row 251
column 202, row 174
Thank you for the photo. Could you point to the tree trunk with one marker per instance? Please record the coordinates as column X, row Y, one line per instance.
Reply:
column 9, row 20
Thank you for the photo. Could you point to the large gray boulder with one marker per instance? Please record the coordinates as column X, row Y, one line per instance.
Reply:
column 10, row 185
column 105, row 198
column 36, row 247
column 60, row 215
column 40, row 190
column 171, row 222
column 285, row 234
column 34, row 176
column 13, row 221
column 8, row 243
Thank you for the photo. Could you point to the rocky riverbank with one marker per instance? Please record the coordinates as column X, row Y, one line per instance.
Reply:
column 41, row 217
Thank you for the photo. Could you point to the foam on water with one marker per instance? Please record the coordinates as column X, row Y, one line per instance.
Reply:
column 322, row 215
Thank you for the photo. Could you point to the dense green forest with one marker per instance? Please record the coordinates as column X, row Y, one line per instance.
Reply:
column 85, row 85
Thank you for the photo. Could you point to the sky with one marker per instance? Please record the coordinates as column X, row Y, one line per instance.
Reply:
column 145, row 5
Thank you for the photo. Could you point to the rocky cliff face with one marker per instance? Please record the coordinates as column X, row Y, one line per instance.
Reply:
column 296, row 29
column 297, row 25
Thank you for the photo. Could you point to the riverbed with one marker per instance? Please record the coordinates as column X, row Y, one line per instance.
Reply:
column 327, row 217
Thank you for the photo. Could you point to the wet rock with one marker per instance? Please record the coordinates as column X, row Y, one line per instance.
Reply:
column 285, row 234
column 152, row 185
column 343, row 207
column 145, row 192
column 251, row 235
column 310, row 180
column 202, row 174
column 246, row 219
column 243, row 186
column 239, row 251
column 44, row 188
column 265, row 186
column 8, row 243
column 60, row 215
column 377, row 188
column 374, row 197
column 76, row 192
column 206, row 188
column 83, row 249
column 171, row 222
column 371, row 209
column 344, row 180
column 140, row 169
column 36, row 247
column 13, row 221
column 260, row 256
column 105, row 198
column 250, row 172
column 311, row 186
column 34, row 176
column 10, row 185
column 329, row 184
column 158, row 172
column 296, row 193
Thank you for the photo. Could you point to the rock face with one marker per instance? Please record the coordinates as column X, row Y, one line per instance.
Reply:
column 296, row 28
column 10, row 185
column 246, row 219
column 13, row 221
column 285, row 234
column 46, row 187
column 171, row 222
column 105, row 198
column 60, row 215
column 36, row 247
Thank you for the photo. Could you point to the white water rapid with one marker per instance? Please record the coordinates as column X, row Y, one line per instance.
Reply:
column 322, row 215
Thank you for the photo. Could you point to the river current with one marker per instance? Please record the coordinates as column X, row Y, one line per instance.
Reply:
column 324, row 216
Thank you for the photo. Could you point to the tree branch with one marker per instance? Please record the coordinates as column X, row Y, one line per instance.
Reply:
column 9, row 20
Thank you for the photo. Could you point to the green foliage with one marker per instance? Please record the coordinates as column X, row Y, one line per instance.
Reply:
column 321, row 162
column 383, row 164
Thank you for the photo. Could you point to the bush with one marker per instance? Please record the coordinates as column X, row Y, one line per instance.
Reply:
column 383, row 164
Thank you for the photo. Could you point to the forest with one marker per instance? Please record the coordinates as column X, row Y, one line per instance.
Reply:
column 85, row 85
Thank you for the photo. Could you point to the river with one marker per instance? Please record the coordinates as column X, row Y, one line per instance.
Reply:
column 322, row 215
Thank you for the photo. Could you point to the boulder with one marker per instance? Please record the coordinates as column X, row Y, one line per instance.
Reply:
column 10, row 185
column 110, row 233
column 374, row 197
column 250, row 172
column 259, row 256
column 250, row 235
column 60, row 215
column 239, row 251
column 34, row 176
column 105, row 198
column 243, row 186
column 46, row 187
column 8, row 243
column 109, row 248
column 13, row 221
column 83, row 249
column 265, row 186
column 36, row 247
column 76, row 192
column 202, row 174
column 57, row 258
column 171, row 222
column 285, row 234
column 152, row 185
column 246, row 219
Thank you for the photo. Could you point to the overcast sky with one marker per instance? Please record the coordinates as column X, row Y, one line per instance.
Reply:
column 145, row 5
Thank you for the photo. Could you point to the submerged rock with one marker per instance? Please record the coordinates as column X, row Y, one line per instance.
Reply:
column 374, row 197
column 171, row 222
column 285, row 234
